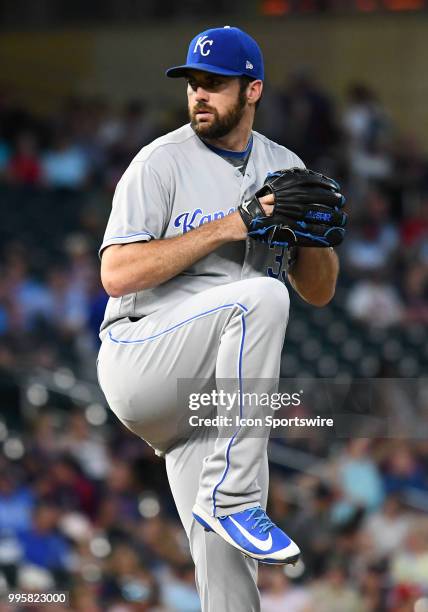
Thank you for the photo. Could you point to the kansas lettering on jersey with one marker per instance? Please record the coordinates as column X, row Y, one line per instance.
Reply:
column 175, row 185
column 195, row 218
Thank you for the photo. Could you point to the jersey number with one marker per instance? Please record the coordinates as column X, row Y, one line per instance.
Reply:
column 279, row 272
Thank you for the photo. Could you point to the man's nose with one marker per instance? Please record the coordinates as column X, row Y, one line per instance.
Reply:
column 201, row 94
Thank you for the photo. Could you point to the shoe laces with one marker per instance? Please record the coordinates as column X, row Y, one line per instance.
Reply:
column 261, row 519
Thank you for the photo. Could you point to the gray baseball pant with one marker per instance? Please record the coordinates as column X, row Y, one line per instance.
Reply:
column 232, row 332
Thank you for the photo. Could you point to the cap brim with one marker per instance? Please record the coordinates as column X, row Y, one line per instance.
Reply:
column 180, row 71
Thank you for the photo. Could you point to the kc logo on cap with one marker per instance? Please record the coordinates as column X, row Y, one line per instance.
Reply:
column 228, row 51
column 201, row 43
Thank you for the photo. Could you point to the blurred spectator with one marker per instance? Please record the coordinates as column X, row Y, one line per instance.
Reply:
column 409, row 565
column 127, row 580
column 374, row 588
column 357, row 480
column 65, row 484
column 375, row 238
column 161, row 542
column 411, row 176
column 280, row 594
column 87, row 448
column 360, row 117
column 415, row 293
column 375, row 302
column 178, row 590
column 84, row 598
column 386, row 529
column 42, row 543
column 135, row 129
column 403, row 472
column 67, row 305
column 83, row 269
column 64, row 165
column 369, row 134
column 335, row 594
column 4, row 157
column 80, row 118
column 414, row 232
column 121, row 488
column 9, row 316
column 30, row 296
column 44, row 436
column 405, row 598
column 308, row 111
column 97, row 308
column 24, row 165
column 16, row 501
column 312, row 527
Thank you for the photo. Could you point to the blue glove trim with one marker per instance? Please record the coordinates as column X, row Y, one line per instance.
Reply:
column 261, row 232
column 314, row 238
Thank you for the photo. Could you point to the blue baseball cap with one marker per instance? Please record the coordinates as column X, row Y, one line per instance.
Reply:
column 228, row 51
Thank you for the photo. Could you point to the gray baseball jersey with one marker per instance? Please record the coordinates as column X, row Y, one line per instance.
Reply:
column 222, row 319
column 176, row 184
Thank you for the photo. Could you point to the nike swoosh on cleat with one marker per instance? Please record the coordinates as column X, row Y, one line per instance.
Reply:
column 263, row 545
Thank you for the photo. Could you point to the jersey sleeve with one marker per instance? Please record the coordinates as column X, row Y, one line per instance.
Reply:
column 297, row 162
column 140, row 209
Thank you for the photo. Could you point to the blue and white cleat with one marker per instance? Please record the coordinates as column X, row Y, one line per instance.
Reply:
column 253, row 533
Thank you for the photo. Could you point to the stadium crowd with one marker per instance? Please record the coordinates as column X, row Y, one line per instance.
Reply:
column 85, row 506
column 58, row 174
column 87, row 509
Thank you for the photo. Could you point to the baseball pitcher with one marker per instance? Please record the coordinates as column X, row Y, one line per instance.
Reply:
column 208, row 224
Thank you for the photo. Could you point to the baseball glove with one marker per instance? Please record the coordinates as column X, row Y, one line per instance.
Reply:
column 307, row 210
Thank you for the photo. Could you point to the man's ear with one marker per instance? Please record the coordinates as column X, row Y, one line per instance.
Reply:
column 254, row 91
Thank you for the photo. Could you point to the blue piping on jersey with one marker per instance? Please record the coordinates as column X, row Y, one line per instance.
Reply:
column 241, row 349
column 177, row 326
column 130, row 236
column 232, row 439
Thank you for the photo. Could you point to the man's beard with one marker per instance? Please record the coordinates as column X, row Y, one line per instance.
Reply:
column 220, row 126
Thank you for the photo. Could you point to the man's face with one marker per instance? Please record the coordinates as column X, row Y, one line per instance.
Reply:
column 216, row 103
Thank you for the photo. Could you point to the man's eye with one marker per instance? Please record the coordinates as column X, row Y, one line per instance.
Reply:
column 208, row 85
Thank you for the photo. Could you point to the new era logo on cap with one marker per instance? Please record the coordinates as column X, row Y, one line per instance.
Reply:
column 228, row 51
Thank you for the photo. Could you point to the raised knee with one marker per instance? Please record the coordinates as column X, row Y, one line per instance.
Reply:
column 271, row 295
